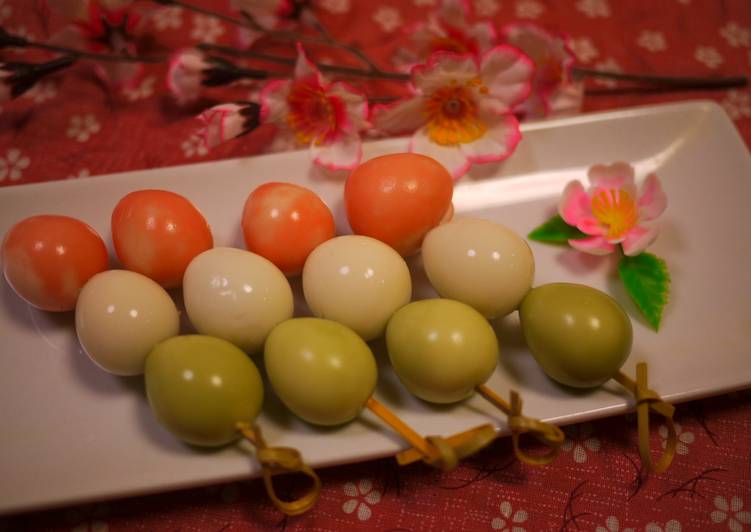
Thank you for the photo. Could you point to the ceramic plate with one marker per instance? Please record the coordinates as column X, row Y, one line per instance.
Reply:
column 72, row 433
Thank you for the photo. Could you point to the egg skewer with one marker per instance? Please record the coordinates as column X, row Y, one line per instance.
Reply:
column 325, row 374
column 581, row 337
column 444, row 351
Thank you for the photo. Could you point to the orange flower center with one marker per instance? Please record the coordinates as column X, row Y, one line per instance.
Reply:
column 616, row 209
column 311, row 116
column 452, row 114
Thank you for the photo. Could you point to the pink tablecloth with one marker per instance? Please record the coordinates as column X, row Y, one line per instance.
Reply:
column 70, row 127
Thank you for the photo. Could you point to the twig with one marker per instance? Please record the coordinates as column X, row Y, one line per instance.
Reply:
column 20, row 42
column 336, row 69
column 676, row 82
column 325, row 40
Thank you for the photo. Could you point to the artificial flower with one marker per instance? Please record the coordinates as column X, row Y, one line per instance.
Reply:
column 611, row 212
column 447, row 29
column 268, row 14
column 190, row 70
column 309, row 111
column 105, row 26
column 185, row 74
column 461, row 108
column 554, row 90
column 227, row 121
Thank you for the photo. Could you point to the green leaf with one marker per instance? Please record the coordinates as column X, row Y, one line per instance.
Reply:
column 555, row 231
column 647, row 281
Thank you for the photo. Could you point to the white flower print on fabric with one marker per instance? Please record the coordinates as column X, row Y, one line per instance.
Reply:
column 363, row 497
column 670, row 526
column 737, row 104
column 594, row 8
column 168, row 17
column 5, row 10
column 733, row 513
column 337, row 7
column 509, row 519
column 709, row 56
column 81, row 174
column 609, row 65
column 583, row 49
column 654, row 41
column 13, row 165
column 580, row 440
column 486, row 8
column 685, row 438
column 736, row 35
column 388, row 18
column 143, row 90
column 83, row 127
column 529, row 9
column 194, row 146
column 42, row 91
column 613, row 525
column 206, row 28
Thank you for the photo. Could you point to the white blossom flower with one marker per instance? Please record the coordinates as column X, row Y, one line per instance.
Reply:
column 388, row 18
column 363, row 496
column 84, row 172
column 336, row 7
column 486, row 8
column 529, row 9
column 709, row 56
column 142, row 90
column 736, row 35
column 194, row 146
column 594, row 8
column 168, row 17
column 685, row 438
column 509, row 519
column 584, row 49
column 613, row 525
column 82, row 127
column 737, row 104
column 206, row 28
column 13, row 165
column 670, row 526
column 733, row 513
column 580, row 439
column 654, row 41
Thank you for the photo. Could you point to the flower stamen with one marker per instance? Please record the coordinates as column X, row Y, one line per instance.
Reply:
column 616, row 209
column 311, row 115
column 452, row 116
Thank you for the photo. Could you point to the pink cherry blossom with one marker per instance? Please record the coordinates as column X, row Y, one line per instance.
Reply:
column 227, row 121
column 554, row 90
column 309, row 111
column 460, row 112
column 105, row 26
column 185, row 74
column 447, row 29
column 611, row 212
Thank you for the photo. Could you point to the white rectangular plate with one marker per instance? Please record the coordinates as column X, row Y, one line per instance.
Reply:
column 70, row 432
